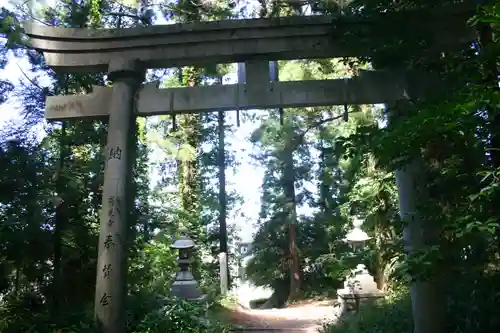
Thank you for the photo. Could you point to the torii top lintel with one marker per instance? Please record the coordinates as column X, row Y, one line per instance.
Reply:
column 166, row 46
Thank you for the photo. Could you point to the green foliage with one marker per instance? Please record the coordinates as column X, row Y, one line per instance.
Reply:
column 27, row 312
column 147, row 313
column 153, row 266
column 179, row 316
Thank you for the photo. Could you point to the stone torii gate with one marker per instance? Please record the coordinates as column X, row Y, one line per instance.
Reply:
column 126, row 53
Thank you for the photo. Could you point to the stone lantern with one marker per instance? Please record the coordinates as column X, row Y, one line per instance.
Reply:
column 359, row 286
column 356, row 237
column 185, row 286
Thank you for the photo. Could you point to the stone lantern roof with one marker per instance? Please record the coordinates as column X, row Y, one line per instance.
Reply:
column 356, row 235
column 183, row 242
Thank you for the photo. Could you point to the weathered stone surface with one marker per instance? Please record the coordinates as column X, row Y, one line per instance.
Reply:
column 216, row 42
column 369, row 88
column 259, row 71
column 116, row 198
column 91, row 105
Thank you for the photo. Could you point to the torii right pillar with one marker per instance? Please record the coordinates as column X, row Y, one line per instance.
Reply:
column 427, row 298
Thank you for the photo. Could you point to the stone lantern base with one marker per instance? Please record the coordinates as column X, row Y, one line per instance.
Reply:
column 188, row 290
column 359, row 288
column 186, row 287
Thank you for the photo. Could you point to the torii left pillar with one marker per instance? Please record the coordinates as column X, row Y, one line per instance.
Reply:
column 111, row 284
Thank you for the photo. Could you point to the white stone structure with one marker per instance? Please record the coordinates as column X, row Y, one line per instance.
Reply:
column 359, row 284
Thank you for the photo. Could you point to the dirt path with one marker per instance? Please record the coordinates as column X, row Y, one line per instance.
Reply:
column 298, row 318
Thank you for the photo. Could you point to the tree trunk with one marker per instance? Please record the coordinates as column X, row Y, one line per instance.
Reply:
column 189, row 185
column 221, row 161
column 379, row 271
column 61, row 219
column 291, row 213
column 17, row 281
column 325, row 186
column 60, row 222
column 189, row 174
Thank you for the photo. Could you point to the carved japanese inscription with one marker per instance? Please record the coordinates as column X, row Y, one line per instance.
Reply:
column 105, row 300
column 106, row 271
column 70, row 106
column 115, row 153
column 94, row 104
column 114, row 206
column 109, row 242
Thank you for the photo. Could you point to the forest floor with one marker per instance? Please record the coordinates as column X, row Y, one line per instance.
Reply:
column 304, row 316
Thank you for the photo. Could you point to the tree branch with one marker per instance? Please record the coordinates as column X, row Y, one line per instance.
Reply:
column 29, row 79
column 300, row 137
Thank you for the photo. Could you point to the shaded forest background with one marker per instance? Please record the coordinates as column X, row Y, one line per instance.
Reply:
column 50, row 187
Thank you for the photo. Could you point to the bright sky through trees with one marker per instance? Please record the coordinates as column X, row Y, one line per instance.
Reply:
column 246, row 179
